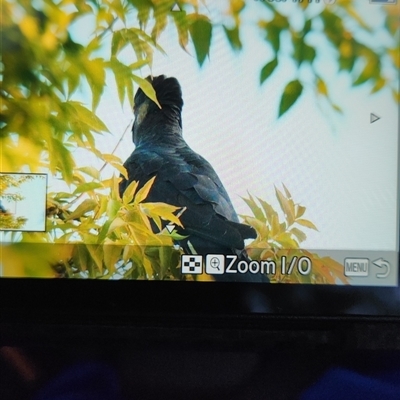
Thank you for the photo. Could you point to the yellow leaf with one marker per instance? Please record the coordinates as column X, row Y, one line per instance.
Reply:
column 321, row 87
column 138, row 234
column 29, row 27
column 112, row 253
column 129, row 192
column 148, row 268
column 165, row 211
column 86, row 206
column 117, row 223
column 286, row 207
column 260, row 227
column 307, row 223
column 288, row 195
column 111, row 158
column 271, row 214
column 301, row 236
column 96, row 253
column 286, row 241
column 127, row 253
column 121, row 169
column 147, row 88
column 300, row 211
column 256, row 210
column 144, row 191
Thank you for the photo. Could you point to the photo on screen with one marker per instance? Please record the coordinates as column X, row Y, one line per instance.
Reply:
column 294, row 105
column 23, row 202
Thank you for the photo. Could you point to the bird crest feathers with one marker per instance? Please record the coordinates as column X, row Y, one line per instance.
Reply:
column 168, row 92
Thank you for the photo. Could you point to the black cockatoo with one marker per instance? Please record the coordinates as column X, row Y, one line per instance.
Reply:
column 183, row 177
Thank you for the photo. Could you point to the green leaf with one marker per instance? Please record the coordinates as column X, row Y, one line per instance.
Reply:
column 309, row 53
column 73, row 77
column 302, row 51
column 392, row 23
column 113, row 207
column 129, row 93
column 201, row 32
column 307, row 26
column 290, row 94
column 233, row 37
column 88, row 117
column 87, row 187
column 160, row 16
column 139, row 64
column 371, row 70
column 268, row 69
column 122, row 74
column 96, row 76
column 273, row 37
column 337, row 108
column 182, row 27
column 86, row 206
column 144, row 7
column 140, row 42
column 117, row 43
column 91, row 171
column 64, row 159
column 62, row 195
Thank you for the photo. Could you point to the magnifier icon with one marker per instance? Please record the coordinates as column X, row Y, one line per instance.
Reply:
column 214, row 263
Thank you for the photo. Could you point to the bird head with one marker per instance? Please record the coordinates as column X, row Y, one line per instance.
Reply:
column 150, row 119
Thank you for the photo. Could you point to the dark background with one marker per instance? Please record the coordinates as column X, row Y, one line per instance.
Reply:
column 189, row 340
column 165, row 362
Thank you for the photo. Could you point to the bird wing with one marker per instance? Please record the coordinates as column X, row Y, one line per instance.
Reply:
column 185, row 179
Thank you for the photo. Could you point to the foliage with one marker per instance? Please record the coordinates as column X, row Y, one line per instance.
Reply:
column 9, row 182
column 103, row 237
column 277, row 238
column 8, row 221
column 43, row 68
column 354, row 54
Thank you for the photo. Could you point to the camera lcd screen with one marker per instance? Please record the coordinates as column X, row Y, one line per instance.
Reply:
column 218, row 141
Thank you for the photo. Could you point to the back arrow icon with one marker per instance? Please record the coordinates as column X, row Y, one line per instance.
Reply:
column 381, row 263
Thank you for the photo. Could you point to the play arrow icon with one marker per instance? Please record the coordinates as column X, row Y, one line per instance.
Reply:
column 170, row 228
column 373, row 118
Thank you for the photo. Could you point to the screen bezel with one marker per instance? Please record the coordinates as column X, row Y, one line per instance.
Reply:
column 117, row 302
